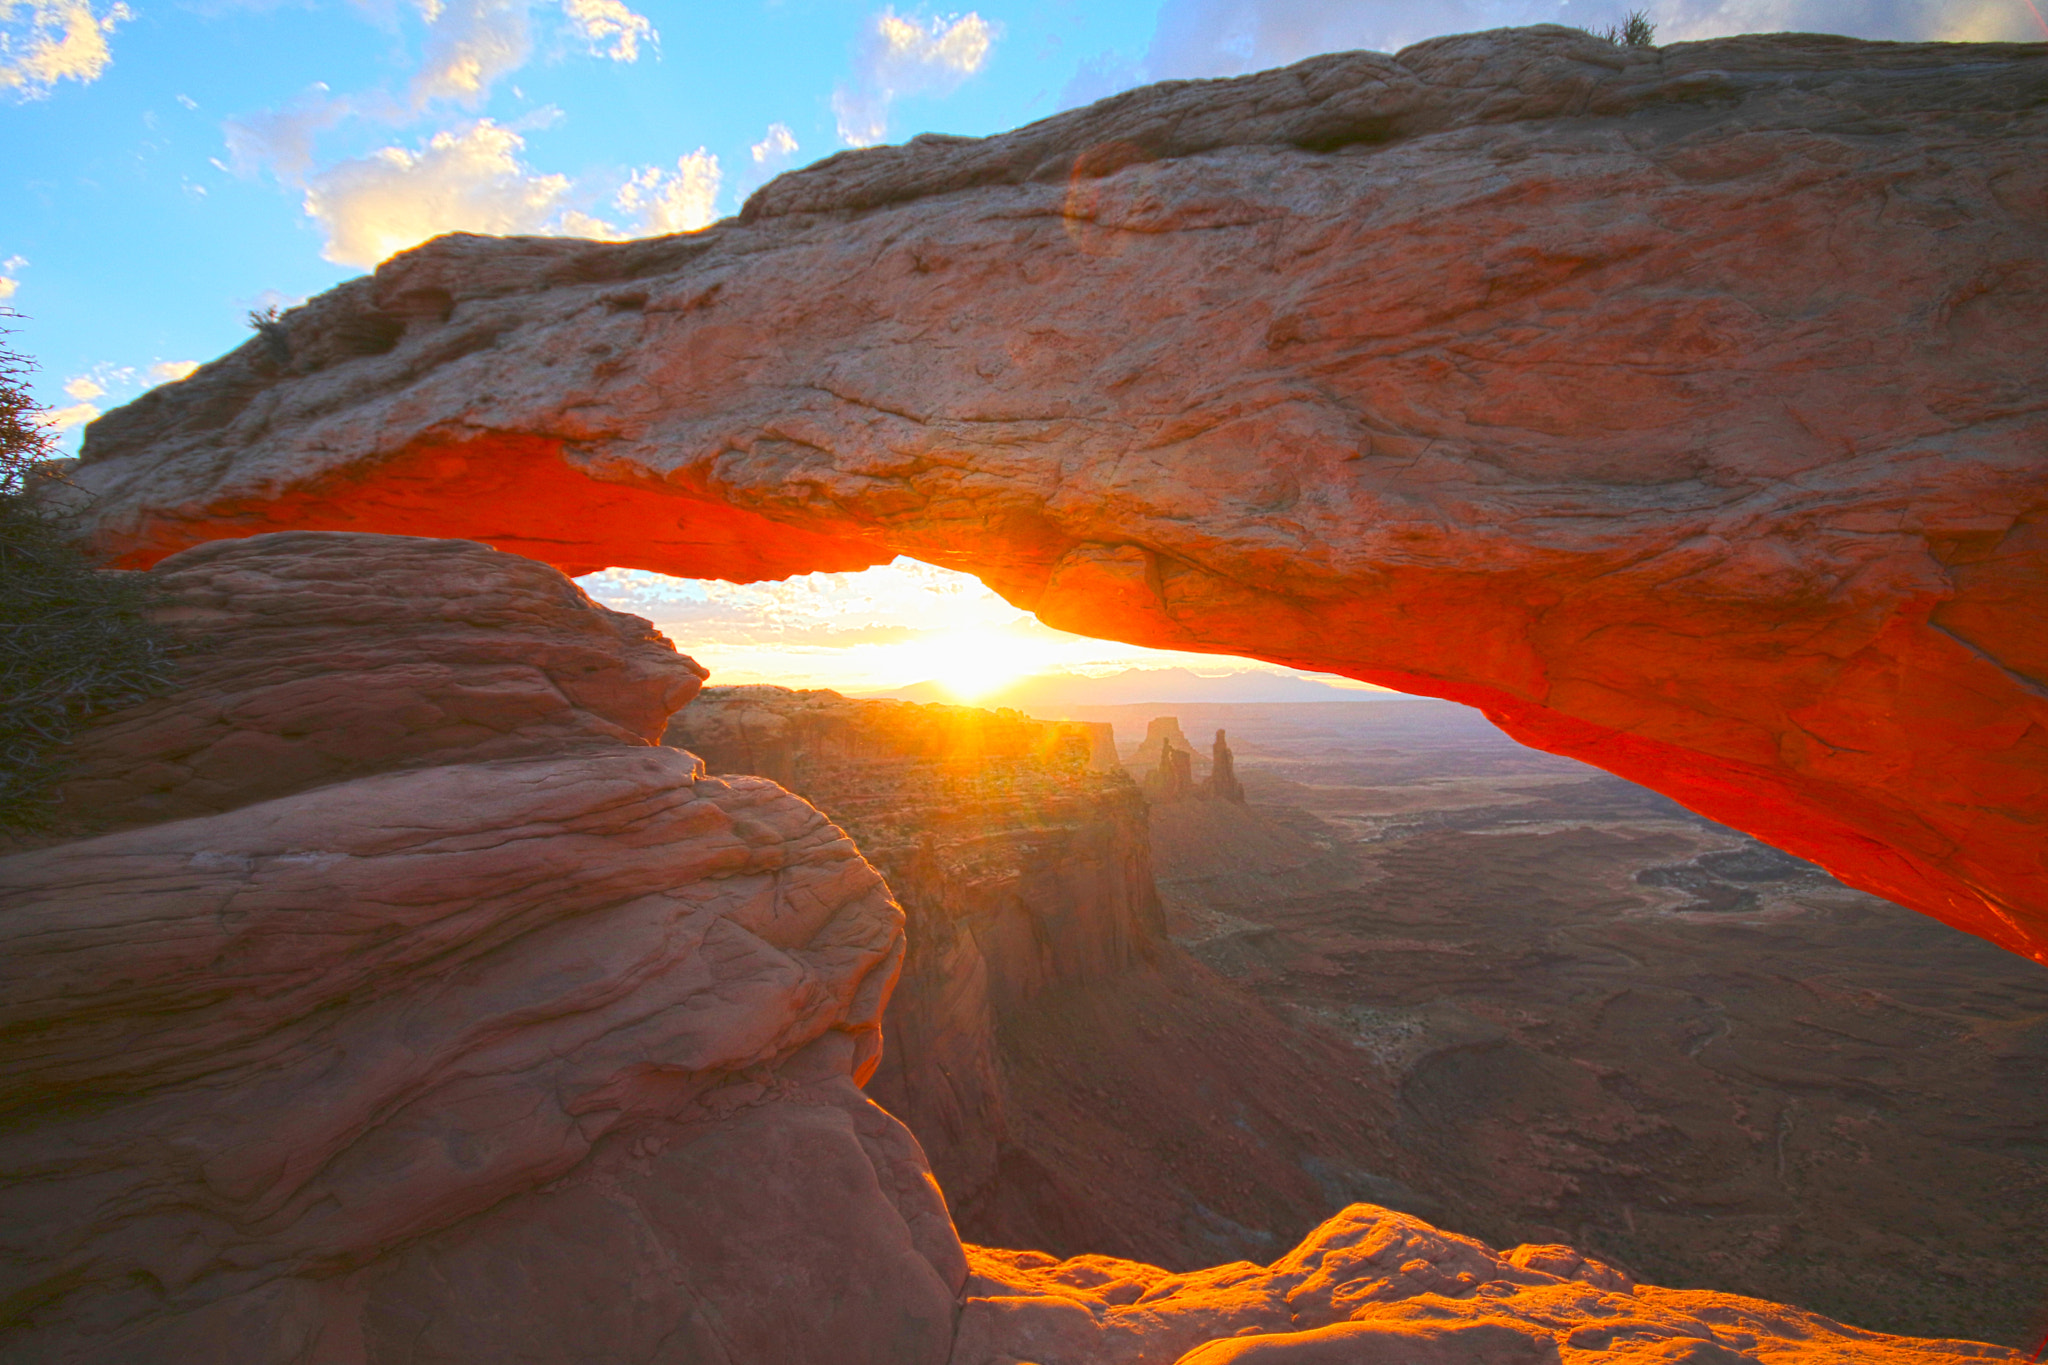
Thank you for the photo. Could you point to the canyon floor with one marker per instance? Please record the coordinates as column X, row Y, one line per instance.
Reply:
column 1576, row 1012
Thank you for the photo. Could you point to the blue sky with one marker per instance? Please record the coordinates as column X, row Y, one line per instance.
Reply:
column 168, row 165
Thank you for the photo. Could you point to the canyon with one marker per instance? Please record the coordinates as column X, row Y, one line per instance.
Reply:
column 1598, row 1019
column 1430, row 969
column 388, row 991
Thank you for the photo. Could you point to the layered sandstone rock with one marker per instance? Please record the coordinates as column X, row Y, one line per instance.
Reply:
column 544, row 1056
column 1223, row 784
column 1020, row 871
column 1679, row 407
column 304, row 658
column 1375, row 1287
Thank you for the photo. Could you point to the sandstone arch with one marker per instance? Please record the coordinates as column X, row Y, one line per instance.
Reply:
column 1683, row 409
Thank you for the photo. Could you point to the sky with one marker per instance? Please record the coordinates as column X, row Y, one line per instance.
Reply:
column 169, row 166
column 877, row 630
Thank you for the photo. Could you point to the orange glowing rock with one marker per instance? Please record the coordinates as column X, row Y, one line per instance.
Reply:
column 1376, row 1287
column 1680, row 408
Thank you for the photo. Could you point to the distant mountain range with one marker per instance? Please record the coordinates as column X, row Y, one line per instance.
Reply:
column 1044, row 692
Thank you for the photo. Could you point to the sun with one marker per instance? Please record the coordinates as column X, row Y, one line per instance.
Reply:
column 971, row 664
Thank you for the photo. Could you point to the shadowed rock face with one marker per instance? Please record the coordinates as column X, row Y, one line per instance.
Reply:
column 514, row 1036
column 1681, row 408
column 1020, row 873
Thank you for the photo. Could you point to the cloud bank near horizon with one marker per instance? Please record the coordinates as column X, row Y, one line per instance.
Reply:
column 1196, row 39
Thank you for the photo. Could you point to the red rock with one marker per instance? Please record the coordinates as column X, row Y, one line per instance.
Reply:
column 1677, row 407
column 538, row 1044
column 1375, row 1287
column 1021, row 873
column 309, row 657
column 461, row 1062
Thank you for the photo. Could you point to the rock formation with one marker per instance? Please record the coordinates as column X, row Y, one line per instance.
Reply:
column 1223, row 783
column 1165, row 761
column 1173, row 780
column 1019, row 872
column 546, row 1051
column 553, row 1054
column 1679, row 407
column 1374, row 1287
column 326, row 657
column 1162, row 735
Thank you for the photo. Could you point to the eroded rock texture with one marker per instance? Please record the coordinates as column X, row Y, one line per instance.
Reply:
column 537, row 1057
column 1023, row 877
column 1682, row 408
column 309, row 657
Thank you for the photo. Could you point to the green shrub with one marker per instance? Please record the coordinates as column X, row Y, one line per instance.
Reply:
column 74, row 639
column 1634, row 31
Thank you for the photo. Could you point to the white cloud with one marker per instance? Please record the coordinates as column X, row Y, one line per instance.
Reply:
column 682, row 200
column 281, row 140
column 600, row 20
column 772, row 155
column 63, row 419
column 83, row 388
column 776, row 148
column 576, row 223
column 1895, row 20
column 43, row 42
column 469, row 179
column 1198, row 38
column 8, row 268
column 470, row 45
column 170, row 371
column 901, row 56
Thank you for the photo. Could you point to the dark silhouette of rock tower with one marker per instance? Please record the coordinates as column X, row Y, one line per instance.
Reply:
column 1223, row 783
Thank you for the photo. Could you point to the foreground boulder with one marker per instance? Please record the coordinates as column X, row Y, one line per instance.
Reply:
column 1678, row 407
column 1025, row 878
column 539, row 1057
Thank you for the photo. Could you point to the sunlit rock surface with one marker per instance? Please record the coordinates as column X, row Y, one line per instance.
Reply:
column 1374, row 1287
column 1682, row 408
